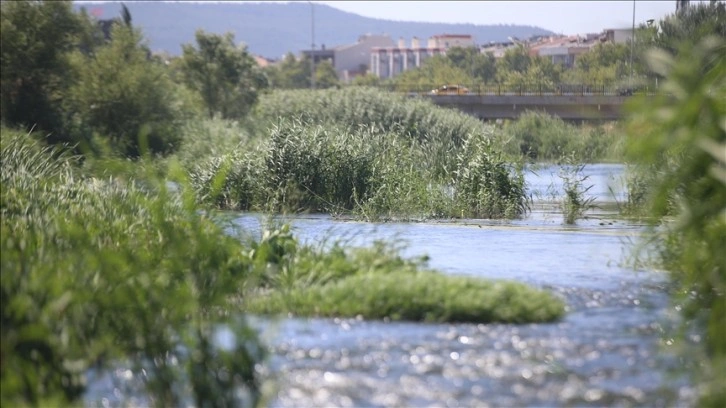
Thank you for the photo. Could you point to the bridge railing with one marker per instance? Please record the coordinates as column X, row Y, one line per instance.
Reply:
column 527, row 89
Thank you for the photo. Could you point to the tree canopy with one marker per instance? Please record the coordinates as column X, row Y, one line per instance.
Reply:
column 225, row 75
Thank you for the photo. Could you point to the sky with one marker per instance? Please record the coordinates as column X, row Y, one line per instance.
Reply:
column 562, row 17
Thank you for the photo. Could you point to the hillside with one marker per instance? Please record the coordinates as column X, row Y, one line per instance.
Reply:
column 273, row 29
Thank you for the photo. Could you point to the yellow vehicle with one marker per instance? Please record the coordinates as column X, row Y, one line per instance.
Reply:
column 450, row 90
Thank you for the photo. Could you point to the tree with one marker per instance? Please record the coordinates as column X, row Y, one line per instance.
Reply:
column 527, row 73
column 434, row 72
column 481, row 67
column 290, row 73
column 366, row 80
column 325, row 75
column 124, row 97
column 226, row 76
column 515, row 59
column 605, row 63
column 690, row 24
column 34, row 67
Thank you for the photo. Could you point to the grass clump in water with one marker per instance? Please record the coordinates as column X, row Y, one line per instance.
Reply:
column 376, row 283
column 420, row 296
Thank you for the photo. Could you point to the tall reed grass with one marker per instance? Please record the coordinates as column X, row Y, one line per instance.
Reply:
column 369, row 154
column 364, row 172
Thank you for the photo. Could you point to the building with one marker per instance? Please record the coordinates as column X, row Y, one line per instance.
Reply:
column 351, row 60
column 388, row 62
column 447, row 41
column 564, row 50
column 618, row 35
column 354, row 59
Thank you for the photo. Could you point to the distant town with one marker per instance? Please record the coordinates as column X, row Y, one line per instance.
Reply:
column 385, row 58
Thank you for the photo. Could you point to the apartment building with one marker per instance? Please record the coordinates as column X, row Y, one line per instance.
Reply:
column 388, row 62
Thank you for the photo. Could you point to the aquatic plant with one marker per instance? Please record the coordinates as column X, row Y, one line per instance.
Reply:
column 484, row 185
column 377, row 283
column 437, row 130
column 575, row 202
column 421, row 296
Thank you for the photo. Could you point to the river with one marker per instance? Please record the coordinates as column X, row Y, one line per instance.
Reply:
column 613, row 347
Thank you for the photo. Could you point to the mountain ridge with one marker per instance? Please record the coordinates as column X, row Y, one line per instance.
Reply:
column 274, row 29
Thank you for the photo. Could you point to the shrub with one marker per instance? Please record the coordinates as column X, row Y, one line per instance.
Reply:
column 97, row 273
column 681, row 137
column 538, row 136
column 125, row 99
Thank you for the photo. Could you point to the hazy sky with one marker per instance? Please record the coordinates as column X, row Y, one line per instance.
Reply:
column 566, row 17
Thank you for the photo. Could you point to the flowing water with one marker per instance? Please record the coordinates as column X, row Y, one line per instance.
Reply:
column 611, row 349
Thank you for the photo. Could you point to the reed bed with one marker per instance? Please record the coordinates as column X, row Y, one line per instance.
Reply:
column 368, row 154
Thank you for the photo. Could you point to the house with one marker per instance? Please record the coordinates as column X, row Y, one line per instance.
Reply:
column 261, row 61
column 563, row 50
column 496, row 49
column 618, row 35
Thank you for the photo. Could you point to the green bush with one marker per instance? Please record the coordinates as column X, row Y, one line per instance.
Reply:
column 538, row 136
column 97, row 273
column 680, row 138
column 125, row 99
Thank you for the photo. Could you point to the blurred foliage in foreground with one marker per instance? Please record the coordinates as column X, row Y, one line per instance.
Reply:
column 680, row 140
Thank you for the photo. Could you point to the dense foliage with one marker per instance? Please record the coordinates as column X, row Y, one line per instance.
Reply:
column 98, row 272
column 225, row 75
column 681, row 144
column 538, row 136
column 366, row 153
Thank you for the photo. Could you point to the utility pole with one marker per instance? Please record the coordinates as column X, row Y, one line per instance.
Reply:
column 312, row 52
column 632, row 46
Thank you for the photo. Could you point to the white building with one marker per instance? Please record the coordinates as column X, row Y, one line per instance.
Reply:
column 353, row 59
column 618, row 35
column 388, row 62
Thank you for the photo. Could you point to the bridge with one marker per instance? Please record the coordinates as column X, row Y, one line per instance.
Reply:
column 567, row 107
column 569, row 102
